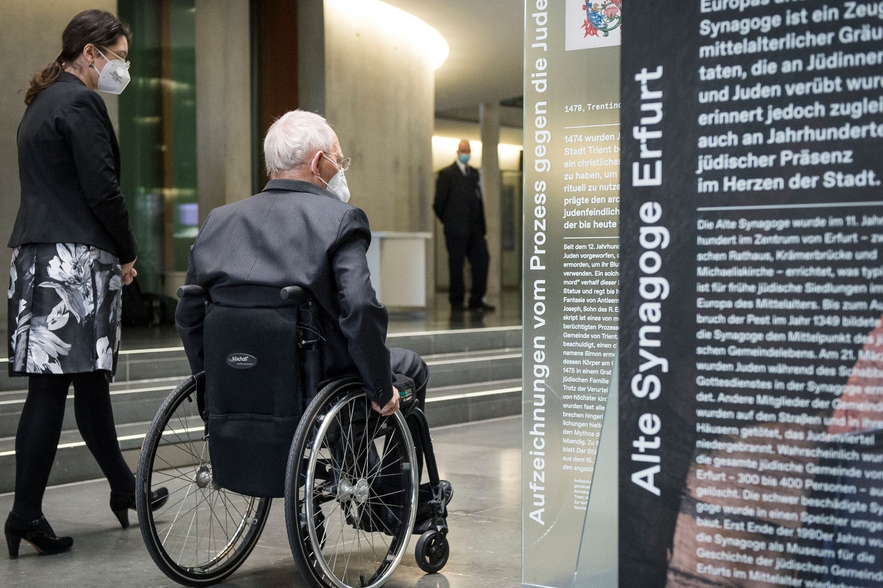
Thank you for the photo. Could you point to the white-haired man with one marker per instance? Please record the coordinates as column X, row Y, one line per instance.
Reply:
column 301, row 231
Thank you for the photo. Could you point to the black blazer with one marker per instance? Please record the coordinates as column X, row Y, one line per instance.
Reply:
column 69, row 168
column 297, row 234
column 458, row 202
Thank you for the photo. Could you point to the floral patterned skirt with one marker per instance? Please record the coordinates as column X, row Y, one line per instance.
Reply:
column 65, row 301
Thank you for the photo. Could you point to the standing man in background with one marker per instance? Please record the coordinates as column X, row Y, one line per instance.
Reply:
column 458, row 205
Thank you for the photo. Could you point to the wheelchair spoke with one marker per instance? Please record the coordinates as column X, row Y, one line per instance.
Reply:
column 202, row 533
column 365, row 492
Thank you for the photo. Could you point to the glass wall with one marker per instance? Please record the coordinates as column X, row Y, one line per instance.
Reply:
column 157, row 132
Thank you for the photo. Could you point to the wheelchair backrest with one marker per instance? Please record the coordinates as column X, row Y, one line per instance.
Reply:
column 254, row 385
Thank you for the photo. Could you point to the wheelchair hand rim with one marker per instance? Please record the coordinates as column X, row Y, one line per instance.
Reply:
column 327, row 421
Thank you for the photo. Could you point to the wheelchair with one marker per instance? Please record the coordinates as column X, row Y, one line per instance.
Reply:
column 227, row 441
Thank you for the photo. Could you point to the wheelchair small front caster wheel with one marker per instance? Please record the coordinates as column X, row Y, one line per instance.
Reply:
column 432, row 551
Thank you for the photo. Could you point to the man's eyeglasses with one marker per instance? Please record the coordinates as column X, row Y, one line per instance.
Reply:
column 342, row 162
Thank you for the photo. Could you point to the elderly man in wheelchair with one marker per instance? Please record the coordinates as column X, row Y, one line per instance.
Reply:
column 294, row 391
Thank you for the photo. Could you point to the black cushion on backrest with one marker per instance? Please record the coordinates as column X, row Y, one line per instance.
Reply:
column 253, row 395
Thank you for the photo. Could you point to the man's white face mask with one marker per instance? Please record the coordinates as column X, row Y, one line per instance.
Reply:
column 337, row 185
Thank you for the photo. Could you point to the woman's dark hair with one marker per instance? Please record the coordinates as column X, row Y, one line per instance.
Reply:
column 91, row 26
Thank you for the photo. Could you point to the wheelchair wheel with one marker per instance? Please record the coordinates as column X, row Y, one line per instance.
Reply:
column 350, row 490
column 432, row 551
column 203, row 533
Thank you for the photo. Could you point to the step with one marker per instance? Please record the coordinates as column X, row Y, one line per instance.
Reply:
column 138, row 400
column 163, row 362
column 132, row 402
column 475, row 374
column 145, row 375
column 461, row 404
column 444, row 406
column 458, row 340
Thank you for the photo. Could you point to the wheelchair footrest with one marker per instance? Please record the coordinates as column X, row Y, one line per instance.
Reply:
column 432, row 507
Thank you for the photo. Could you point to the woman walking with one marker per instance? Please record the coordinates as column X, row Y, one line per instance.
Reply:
column 73, row 250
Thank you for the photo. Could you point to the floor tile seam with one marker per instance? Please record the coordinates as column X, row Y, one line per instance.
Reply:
column 491, row 420
column 498, row 506
column 454, row 516
column 478, row 576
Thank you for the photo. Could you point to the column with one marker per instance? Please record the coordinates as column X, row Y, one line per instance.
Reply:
column 311, row 55
column 223, row 93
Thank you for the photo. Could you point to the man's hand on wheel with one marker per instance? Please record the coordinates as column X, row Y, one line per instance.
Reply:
column 391, row 407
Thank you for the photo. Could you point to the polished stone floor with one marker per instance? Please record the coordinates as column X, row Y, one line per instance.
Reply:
column 481, row 459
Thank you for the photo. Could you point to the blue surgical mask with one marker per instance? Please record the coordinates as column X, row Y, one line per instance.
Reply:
column 463, row 157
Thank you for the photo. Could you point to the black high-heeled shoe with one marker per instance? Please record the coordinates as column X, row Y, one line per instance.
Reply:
column 37, row 532
column 122, row 502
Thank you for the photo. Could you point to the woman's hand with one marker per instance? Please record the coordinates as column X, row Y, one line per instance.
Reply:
column 129, row 272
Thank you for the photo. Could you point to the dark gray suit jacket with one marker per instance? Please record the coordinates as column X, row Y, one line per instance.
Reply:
column 69, row 167
column 297, row 234
column 458, row 202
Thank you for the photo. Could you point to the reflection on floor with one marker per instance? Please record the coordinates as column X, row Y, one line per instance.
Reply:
column 482, row 460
